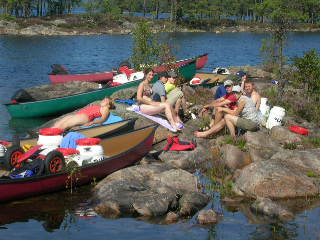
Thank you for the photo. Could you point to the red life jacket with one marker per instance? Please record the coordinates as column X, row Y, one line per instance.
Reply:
column 174, row 144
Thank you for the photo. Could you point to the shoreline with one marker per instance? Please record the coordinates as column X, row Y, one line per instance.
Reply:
column 80, row 25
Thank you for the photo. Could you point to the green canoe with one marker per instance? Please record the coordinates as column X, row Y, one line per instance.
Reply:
column 60, row 105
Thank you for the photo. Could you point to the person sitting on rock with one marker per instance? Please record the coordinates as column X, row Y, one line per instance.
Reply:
column 151, row 107
column 229, row 100
column 250, row 91
column 174, row 94
column 86, row 116
column 249, row 117
column 222, row 90
column 158, row 89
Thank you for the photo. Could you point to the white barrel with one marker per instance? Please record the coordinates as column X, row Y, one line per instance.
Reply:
column 49, row 140
column 264, row 108
column 120, row 78
column 2, row 150
column 90, row 152
column 136, row 76
column 275, row 117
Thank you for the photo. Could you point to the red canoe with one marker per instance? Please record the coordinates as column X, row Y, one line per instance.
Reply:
column 201, row 61
column 120, row 151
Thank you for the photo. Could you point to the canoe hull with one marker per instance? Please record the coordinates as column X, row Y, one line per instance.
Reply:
column 201, row 61
column 22, row 188
column 88, row 77
column 56, row 106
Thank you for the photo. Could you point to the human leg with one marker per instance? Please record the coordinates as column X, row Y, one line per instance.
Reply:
column 216, row 128
column 231, row 122
column 71, row 121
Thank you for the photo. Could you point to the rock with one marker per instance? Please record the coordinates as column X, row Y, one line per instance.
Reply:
column 285, row 136
column 192, row 202
column 177, row 179
column 139, row 172
column 187, row 160
column 306, row 160
column 207, row 217
column 171, row 217
column 234, row 158
column 58, row 22
column 260, row 145
column 270, row 208
column 273, row 179
column 153, row 204
column 117, row 197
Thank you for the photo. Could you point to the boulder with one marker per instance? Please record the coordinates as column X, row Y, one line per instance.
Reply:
column 187, row 160
column 271, row 209
column 138, row 172
column 178, row 179
column 192, row 202
column 306, row 160
column 273, row 179
column 234, row 158
column 117, row 197
column 260, row 145
column 153, row 204
column 285, row 136
column 207, row 217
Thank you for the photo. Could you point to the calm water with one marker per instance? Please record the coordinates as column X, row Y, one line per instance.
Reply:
column 25, row 62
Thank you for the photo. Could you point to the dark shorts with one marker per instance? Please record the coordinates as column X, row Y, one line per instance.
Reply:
column 247, row 125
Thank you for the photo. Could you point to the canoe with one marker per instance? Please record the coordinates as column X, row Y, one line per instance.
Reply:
column 120, row 151
column 201, row 61
column 60, row 105
column 101, row 131
column 209, row 80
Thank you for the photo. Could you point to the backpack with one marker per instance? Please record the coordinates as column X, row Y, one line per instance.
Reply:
column 175, row 144
column 34, row 168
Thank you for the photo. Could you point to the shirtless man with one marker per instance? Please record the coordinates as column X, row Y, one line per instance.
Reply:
column 250, row 91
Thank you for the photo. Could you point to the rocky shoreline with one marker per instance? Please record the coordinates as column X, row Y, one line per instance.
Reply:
column 272, row 176
column 61, row 27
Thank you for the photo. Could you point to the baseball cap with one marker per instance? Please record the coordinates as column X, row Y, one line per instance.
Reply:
column 241, row 73
column 228, row 83
column 236, row 88
column 172, row 73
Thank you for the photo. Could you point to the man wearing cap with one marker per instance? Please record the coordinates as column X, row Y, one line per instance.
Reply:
column 158, row 89
column 229, row 99
column 249, row 117
column 222, row 91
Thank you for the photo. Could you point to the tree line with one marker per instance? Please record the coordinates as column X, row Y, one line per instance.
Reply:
column 250, row 10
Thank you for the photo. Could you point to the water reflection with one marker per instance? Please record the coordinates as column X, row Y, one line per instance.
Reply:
column 276, row 231
column 56, row 211
column 24, row 125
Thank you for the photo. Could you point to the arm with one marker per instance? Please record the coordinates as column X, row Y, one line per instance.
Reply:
column 163, row 98
column 141, row 99
column 235, row 112
column 258, row 102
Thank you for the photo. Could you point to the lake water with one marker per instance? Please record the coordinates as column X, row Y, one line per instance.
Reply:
column 25, row 62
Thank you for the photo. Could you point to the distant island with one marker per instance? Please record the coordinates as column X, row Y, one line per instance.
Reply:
column 98, row 23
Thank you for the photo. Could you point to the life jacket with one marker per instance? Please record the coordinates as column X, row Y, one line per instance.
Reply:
column 175, row 144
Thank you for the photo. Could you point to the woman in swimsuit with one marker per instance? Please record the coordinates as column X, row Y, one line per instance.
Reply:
column 86, row 115
column 150, row 107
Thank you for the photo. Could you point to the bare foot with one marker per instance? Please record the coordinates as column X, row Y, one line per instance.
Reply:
column 200, row 134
